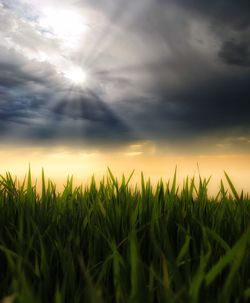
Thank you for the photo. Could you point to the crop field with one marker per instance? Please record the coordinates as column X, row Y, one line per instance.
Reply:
column 114, row 242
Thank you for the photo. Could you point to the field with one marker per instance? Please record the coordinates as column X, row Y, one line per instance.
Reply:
column 114, row 242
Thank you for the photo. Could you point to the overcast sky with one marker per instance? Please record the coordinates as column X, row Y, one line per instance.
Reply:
column 117, row 72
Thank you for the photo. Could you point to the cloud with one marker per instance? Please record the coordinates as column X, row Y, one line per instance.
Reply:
column 157, row 70
column 236, row 53
column 226, row 13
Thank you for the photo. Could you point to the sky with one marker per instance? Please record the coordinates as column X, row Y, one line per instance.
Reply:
column 132, row 78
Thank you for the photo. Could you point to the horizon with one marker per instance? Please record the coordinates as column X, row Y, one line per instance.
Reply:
column 60, row 163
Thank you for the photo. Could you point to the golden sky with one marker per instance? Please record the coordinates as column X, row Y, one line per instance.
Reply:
column 59, row 162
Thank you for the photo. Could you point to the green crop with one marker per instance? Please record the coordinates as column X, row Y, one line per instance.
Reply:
column 112, row 242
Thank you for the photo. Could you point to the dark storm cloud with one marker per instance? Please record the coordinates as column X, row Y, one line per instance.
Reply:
column 225, row 12
column 236, row 53
column 196, row 91
column 200, row 107
column 231, row 21
column 163, row 70
column 99, row 120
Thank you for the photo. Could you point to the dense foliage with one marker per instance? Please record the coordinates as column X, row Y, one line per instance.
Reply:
column 113, row 242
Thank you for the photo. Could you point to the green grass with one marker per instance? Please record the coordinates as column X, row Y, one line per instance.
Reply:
column 112, row 242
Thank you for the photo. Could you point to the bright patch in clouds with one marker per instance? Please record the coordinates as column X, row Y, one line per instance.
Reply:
column 65, row 25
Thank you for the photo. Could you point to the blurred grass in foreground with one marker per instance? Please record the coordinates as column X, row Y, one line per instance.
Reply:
column 114, row 243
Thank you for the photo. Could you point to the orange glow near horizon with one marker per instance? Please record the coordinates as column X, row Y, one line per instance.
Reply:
column 59, row 163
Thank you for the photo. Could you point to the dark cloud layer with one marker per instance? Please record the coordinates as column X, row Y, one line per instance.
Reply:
column 161, row 70
column 236, row 53
column 226, row 13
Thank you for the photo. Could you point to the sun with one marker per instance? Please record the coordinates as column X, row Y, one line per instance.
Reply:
column 77, row 76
